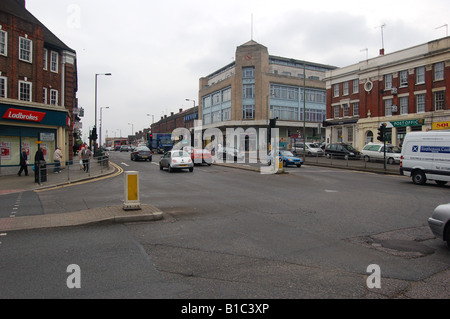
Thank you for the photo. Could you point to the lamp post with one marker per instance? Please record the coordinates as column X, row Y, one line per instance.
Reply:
column 95, row 125
column 191, row 101
column 132, row 129
column 101, row 109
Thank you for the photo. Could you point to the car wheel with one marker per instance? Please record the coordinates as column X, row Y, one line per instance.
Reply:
column 367, row 158
column 447, row 236
column 284, row 164
column 160, row 167
column 299, row 165
column 328, row 156
column 269, row 163
column 390, row 160
column 419, row 178
column 191, row 169
column 170, row 169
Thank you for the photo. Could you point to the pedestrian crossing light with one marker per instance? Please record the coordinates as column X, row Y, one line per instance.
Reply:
column 381, row 132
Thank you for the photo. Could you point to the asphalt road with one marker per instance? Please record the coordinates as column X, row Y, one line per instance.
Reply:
column 230, row 233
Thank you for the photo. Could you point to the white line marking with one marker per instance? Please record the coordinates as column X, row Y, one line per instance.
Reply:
column 125, row 164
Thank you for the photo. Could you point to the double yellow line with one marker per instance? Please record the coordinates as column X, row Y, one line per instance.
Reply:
column 119, row 171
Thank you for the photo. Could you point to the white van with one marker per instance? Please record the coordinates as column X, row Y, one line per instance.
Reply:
column 426, row 156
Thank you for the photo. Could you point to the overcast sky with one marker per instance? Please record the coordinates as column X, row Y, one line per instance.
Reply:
column 158, row 50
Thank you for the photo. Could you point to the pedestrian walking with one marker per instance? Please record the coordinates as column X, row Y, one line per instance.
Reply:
column 57, row 158
column 40, row 175
column 23, row 163
column 80, row 156
column 86, row 156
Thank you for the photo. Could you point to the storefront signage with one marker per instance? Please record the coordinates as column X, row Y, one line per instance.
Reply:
column 441, row 126
column 48, row 137
column 23, row 115
column 404, row 123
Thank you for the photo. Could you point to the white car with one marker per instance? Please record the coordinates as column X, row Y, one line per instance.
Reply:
column 177, row 159
column 312, row 149
column 439, row 222
column 375, row 151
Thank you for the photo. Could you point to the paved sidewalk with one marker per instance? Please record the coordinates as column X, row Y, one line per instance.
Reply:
column 70, row 175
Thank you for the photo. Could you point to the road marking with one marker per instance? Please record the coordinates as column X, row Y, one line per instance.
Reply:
column 125, row 164
column 331, row 191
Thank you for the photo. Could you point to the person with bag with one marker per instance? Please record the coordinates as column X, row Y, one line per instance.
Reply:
column 23, row 163
column 57, row 158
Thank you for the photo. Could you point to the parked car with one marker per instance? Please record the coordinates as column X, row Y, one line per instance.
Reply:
column 375, row 151
column 199, row 156
column 341, row 150
column 439, row 222
column 141, row 153
column 117, row 148
column 124, row 148
column 287, row 157
column 312, row 149
column 176, row 160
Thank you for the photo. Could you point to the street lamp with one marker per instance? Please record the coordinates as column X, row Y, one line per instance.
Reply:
column 101, row 109
column 191, row 100
column 132, row 130
column 95, row 125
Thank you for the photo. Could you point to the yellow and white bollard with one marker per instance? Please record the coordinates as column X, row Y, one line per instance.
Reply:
column 131, row 201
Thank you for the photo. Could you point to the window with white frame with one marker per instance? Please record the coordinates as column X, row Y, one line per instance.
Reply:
column 44, row 95
column 25, row 49
column 420, row 103
column 345, row 88
column 420, row 75
column 336, row 111
column 248, row 112
column 336, row 90
column 3, row 87
column 388, row 81
column 45, row 59
column 248, row 72
column 345, row 110
column 356, row 109
column 54, row 61
column 403, row 78
column 439, row 71
column 216, row 116
column 388, row 107
column 284, row 112
column 216, row 98
column 226, row 114
column 54, row 97
column 25, row 90
column 226, row 95
column 350, row 134
column 3, row 42
column 403, row 101
column 356, row 86
column 248, row 91
column 439, row 100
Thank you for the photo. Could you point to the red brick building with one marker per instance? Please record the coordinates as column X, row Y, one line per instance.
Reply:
column 38, row 75
column 409, row 90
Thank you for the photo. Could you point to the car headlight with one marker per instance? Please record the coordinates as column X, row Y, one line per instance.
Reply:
column 352, row 154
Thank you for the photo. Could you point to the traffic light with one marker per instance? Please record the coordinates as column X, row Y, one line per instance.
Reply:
column 94, row 134
column 150, row 137
column 273, row 122
column 381, row 132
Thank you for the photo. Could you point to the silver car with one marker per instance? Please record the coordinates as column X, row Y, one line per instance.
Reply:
column 177, row 159
column 439, row 222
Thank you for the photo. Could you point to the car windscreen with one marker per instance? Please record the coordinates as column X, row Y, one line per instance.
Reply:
column 350, row 148
column 313, row 145
column 143, row 149
column 286, row 153
column 179, row 154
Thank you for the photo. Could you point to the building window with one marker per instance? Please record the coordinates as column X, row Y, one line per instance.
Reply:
column 248, row 91
column 388, row 107
column 54, row 61
column 420, row 75
column 336, row 111
column 3, row 87
column 350, row 134
column 388, row 81
column 216, row 98
column 336, row 90
column 439, row 71
column 248, row 73
column 226, row 114
column 248, row 112
column 45, row 59
column 216, row 116
column 356, row 86
column 403, row 78
column 207, row 118
column 356, row 109
column 345, row 109
column 3, row 43
column 226, row 95
column 439, row 100
column 403, row 105
column 206, row 102
column 44, row 96
column 284, row 113
column 25, row 49
column 53, row 97
column 25, row 91
column 345, row 88
column 420, row 103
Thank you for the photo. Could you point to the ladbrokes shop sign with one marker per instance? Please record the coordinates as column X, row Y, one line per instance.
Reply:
column 46, row 117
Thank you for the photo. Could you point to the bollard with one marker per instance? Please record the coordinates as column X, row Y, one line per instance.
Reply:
column 131, row 201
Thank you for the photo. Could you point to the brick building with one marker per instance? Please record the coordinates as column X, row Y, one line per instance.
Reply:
column 38, row 85
column 182, row 119
column 409, row 90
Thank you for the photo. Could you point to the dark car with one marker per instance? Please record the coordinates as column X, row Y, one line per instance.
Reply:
column 341, row 150
column 141, row 153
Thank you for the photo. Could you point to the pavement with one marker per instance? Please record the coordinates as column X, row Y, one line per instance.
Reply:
column 70, row 176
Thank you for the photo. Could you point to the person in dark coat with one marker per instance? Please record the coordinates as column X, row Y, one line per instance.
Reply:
column 23, row 163
column 38, row 158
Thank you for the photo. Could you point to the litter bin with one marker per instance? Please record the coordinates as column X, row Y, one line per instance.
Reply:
column 40, row 172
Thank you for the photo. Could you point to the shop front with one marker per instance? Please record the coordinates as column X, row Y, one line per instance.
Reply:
column 24, row 127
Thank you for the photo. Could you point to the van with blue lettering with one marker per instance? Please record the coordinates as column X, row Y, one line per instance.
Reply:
column 426, row 156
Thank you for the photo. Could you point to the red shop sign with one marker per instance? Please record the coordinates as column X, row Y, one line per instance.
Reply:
column 23, row 115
